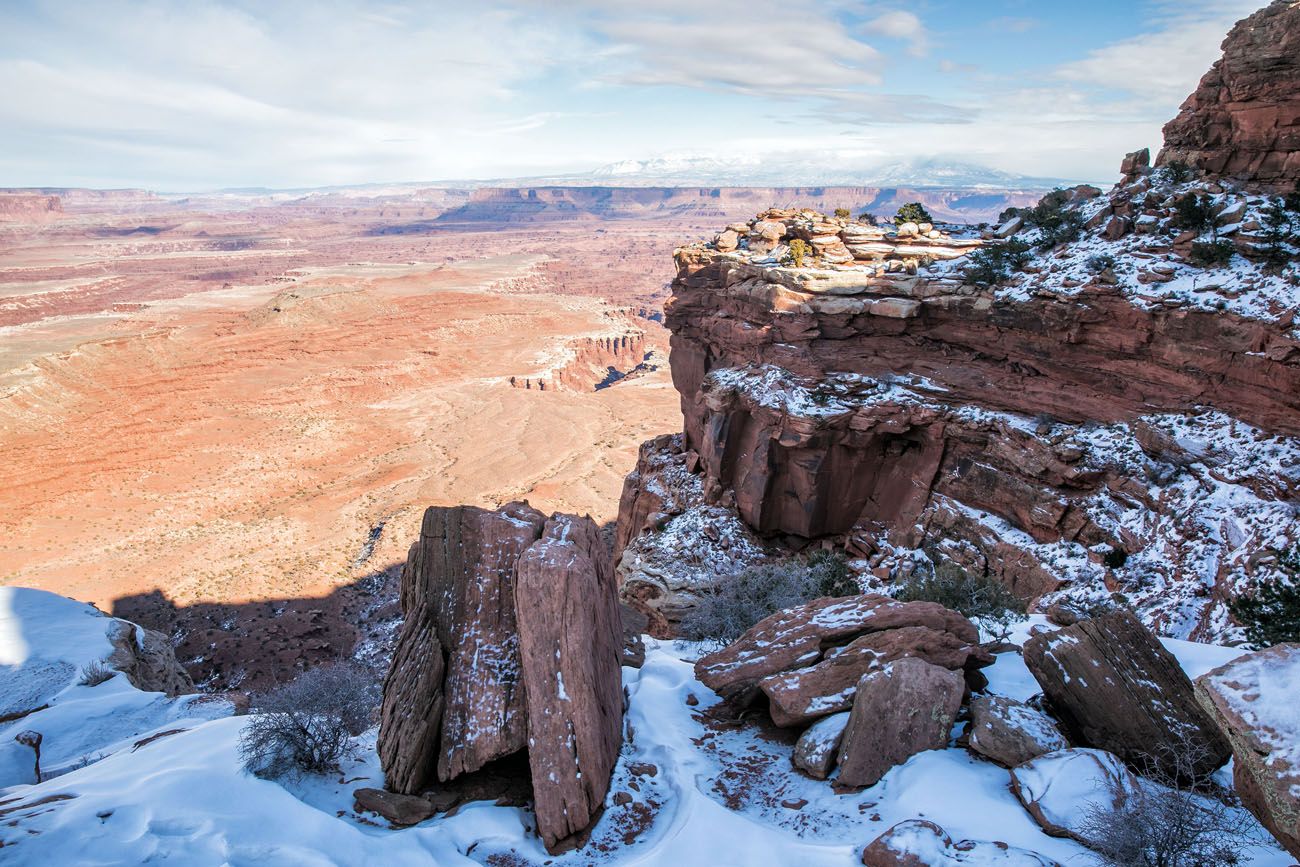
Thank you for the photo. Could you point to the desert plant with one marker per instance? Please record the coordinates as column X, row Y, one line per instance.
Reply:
column 1100, row 262
column 868, row 218
column 1270, row 613
column 305, row 726
column 96, row 672
column 799, row 250
column 913, row 212
column 979, row 597
column 1196, row 212
column 1057, row 224
column 842, row 213
column 738, row 601
column 1276, row 230
column 1208, row 254
column 994, row 263
column 1292, row 199
column 1156, row 824
column 1176, row 172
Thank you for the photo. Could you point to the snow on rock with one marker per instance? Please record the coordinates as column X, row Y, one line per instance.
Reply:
column 1060, row 789
column 918, row 843
column 1254, row 700
column 1010, row 732
column 46, row 641
column 817, row 747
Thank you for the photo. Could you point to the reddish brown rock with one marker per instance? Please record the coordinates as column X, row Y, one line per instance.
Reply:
column 900, row 710
column 817, row 748
column 797, row 697
column 1116, row 688
column 1253, row 701
column 1010, row 732
column 400, row 810
column 411, row 715
column 797, row 637
column 1243, row 120
column 570, row 639
column 918, row 843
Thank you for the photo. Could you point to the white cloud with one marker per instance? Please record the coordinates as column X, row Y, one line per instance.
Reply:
column 904, row 26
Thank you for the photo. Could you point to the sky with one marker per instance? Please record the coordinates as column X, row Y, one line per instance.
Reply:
column 183, row 95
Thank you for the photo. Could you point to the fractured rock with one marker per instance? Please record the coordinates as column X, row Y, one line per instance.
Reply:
column 904, row 708
column 1253, row 700
column 400, row 810
column 1116, row 688
column 570, row 639
column 1061, row 789
column 1011, row 732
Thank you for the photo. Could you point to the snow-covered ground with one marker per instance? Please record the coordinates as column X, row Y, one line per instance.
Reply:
column 718, row 794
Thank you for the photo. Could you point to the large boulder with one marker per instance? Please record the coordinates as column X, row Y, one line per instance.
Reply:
column 1011, row 732
column 904, row 708
column 1064, row 790
column 510, row 650
column 1253, row 699
column 1116, row 688
column 147, row 659
column 1243, row 120
column 800, row 637
column 570, row 639
column 918, row 843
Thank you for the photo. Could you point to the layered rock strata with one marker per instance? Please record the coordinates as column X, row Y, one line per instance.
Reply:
column 510, row 644
column 1243, row 120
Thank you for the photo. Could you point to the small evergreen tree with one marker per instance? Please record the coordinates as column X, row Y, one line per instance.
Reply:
column 1176, row 171
column 842, row 213
column 1270, row 614
column 1195, row 211
column 1277, row 234
column 993, row 264
column 913, row 212
column 799, row 249
column 1207, row 254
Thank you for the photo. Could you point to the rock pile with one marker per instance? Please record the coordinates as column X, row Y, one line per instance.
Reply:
column 511, row 645
column 874, row 680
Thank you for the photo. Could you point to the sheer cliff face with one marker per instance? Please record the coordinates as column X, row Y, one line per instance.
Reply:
column 1243, row 121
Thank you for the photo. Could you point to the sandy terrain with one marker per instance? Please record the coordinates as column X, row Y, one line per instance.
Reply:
column 190, row 430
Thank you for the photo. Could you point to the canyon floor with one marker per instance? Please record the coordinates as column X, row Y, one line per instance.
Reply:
column 222, row 410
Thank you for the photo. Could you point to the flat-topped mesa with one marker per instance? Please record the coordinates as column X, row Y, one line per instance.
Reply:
column 1243, row 120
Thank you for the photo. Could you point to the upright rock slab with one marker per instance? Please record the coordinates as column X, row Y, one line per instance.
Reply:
column 1254, row 700
column 570, row 639
column 1116, row 688
column 511, row 642
column 905, row 708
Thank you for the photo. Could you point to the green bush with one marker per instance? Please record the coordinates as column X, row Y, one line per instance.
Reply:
column 992, row 264
column 1176, row 172
column 913, row 212
column 1195, row 212
column 1270, row 613
column 1057, row 223
column 739, row 601
column 842, row 213
column 868, row 218
column 799, row 250
column 1277, row 234
column 979, row 597
column 1100, row 262
column 1208, row 254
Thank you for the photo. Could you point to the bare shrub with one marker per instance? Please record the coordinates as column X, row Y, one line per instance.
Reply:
column 96, row 672
column 305, row 726
column 980, row 597
column 740, row 600
column 1157, row 824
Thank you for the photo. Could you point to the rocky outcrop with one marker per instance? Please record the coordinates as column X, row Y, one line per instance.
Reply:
column 1116, row 688
column 510, row 645
column 1243, row 120
column 1010, row 732
column 1253, row 701
column 591, row 363
column 919, row 843
column 906, row 707
column 29, row 207
column 809, row 659
column 147, row 659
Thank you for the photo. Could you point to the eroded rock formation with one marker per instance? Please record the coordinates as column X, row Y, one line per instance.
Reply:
column 510, row 644
column 1243, row 120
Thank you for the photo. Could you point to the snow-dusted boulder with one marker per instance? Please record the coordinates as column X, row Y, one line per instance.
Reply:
column 918, row 843
column 815, row 751
column 1058, row 789
column 1010, row 732
column 1254, row 700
